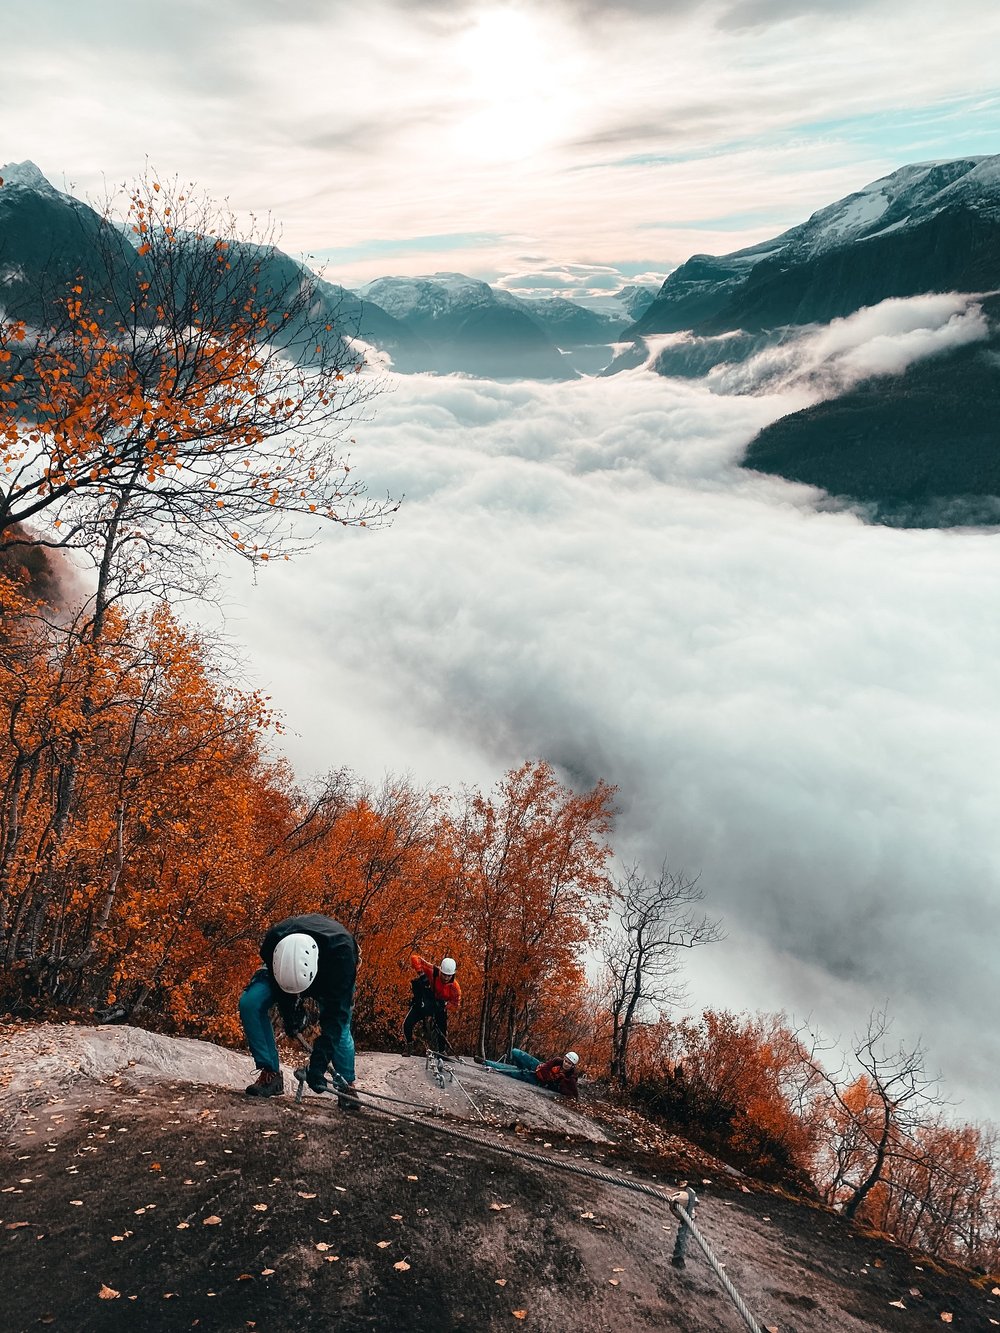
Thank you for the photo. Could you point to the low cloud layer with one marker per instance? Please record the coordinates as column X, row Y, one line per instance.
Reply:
column 798, row 706
column 880, row 340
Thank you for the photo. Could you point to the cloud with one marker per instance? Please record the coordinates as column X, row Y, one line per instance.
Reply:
column 567, row 127
column 797, row 705
column 880, row 340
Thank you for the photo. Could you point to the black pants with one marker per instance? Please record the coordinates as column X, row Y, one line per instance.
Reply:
column 432, row 1012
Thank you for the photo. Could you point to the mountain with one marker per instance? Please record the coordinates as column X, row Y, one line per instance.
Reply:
column 920, row 449
column 48, row 238
column 472, row 327
column 569, row 324
column 635, row 299
column 930, row 227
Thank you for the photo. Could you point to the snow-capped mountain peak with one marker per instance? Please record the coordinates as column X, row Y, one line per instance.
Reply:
column 27, row 176
column 905, row 197
column 428, row 295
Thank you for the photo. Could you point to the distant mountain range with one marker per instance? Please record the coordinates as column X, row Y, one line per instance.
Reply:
column 444, row 322
column 922, row 447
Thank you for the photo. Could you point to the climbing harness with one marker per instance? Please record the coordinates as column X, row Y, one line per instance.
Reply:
column 680, row 1202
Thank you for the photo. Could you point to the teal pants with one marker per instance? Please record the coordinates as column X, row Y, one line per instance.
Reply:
column 335, row 1043
column 522, row 1066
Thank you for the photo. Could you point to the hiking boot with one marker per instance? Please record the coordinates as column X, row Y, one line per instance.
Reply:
column 270, row 1083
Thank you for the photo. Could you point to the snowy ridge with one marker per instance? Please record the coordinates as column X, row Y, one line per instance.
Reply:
column 26, row 176
column 906, row 197
column 428, row 295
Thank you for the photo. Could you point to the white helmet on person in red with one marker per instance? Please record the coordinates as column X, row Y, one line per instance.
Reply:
column 295, row 962
column 571, row 1058
column 448, row 968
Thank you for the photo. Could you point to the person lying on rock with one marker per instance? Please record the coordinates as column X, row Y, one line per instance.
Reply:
column 305, row 956
column 435, row 991
column 559, row 1074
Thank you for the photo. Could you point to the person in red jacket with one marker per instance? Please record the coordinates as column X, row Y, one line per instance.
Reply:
column 559, row 1074
column 435, row 991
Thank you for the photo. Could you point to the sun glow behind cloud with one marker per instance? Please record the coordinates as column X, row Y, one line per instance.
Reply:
column 520, row 84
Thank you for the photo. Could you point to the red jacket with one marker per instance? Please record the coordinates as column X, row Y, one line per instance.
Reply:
column 448, row 991
column 552, row 1075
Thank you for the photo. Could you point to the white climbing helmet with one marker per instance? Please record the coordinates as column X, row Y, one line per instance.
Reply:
column 448, row 967
column 295, row 963
column 571, row 1058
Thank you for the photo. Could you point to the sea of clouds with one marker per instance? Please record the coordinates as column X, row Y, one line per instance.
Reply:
column 798, row 706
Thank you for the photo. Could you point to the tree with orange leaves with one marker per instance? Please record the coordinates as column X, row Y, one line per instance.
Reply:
column 532, row 889
column 184, row 397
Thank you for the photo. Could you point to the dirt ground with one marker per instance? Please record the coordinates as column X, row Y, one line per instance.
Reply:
column 142, row 1190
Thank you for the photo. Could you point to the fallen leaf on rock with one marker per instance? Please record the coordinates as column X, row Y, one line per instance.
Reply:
column 945, row 1317
column 402, row 1266
column 266, row 1272
column 412, row 1177
column 77, row 1203
column 183, row 1226
column 322, row 1245
column 898, row 1304
column 267, row 1133
column 331, row 1258
column 305, row 1196
column 155, row 1166
column 13, row 1226
column 499, row 1207
column 618, row 1270
column 383, row 1244
column 500, row 1281
column 245, row 1277
column 879, row 1263
column 260, row 1207
column 108, row 1293
column 613, row 1282
column 212, row 1221
column 519, row 1314
column 397, row 1217
column 915, row 1291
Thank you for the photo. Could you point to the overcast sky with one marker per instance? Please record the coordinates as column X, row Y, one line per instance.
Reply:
column 503, row 139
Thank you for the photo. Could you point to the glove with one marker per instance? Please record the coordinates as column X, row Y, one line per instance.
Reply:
column 296, row 1022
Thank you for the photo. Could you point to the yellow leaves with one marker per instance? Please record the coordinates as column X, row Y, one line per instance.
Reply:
column 144, row 249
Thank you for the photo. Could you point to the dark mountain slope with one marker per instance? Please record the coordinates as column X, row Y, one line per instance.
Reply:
column 921, row 449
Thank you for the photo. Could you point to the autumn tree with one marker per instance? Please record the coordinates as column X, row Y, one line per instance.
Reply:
column 878, row 1104
column 187, row 394
column 531, row 891
column 655, row 919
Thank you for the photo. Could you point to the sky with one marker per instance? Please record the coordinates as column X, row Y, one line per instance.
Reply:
column 795, row 705
column 561, row 147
